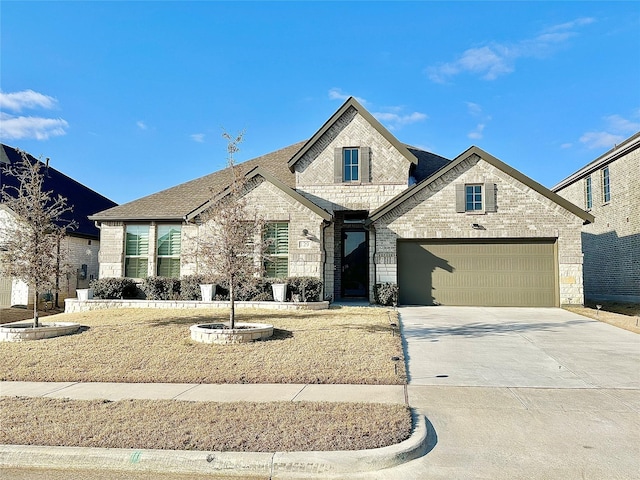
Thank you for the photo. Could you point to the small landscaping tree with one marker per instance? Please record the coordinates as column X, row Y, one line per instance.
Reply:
column 229, row 243
column 31, row 245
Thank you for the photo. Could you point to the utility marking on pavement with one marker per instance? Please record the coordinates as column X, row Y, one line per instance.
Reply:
column 135, row 457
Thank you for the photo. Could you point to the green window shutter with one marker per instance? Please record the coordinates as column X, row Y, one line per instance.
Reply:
column 169, row 267
column 337, row 165
column 489, row 197
column 278, row 236
column 365, row 155
column 460, row 198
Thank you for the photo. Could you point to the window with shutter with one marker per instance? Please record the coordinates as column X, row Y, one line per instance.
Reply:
column 136, row 251
column 276, row 236
column 475, row 198
column 168, row 251
column 351, row 164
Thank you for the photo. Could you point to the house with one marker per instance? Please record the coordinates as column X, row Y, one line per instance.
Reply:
column 355, row 207
column 81, row 245
column 609, row 189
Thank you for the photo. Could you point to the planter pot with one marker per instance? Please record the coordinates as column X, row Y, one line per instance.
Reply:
column 279, row 292
column 84, row 293
column 207, row 290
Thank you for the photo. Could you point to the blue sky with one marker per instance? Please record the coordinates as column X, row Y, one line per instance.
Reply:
column 131, row 98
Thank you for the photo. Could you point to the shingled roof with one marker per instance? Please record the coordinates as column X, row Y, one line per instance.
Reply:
column 176, row 202
column 84, row 201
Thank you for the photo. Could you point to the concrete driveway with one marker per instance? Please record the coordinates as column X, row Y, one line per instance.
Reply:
column 522, row 393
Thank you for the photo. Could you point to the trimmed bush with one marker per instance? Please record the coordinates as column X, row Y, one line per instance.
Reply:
column 114, row 288
column 190, row 287
column 161, row 288
column 308, row 289
column 386, row 294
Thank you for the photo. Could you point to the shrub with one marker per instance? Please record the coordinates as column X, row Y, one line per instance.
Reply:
column 263, row 297
column 386, row 294
column 309, row 289
column 161, row 288
column 114, row 288
column 190, row 287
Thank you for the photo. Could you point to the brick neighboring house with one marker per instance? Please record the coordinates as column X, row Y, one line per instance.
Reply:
column 81, row 245
column 609, row 188
column 355, row 207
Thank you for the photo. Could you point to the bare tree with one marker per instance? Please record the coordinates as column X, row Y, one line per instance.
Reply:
column 229, row 243
column 31, row 246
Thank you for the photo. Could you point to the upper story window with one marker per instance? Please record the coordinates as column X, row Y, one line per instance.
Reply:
column 168, row 251
column 475, row 197
column 277, row 255
column 606, row 187
column 588, row 192
column 351, row 165
column 136, row 260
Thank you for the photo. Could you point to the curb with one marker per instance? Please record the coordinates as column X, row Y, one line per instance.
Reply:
column 279, row 465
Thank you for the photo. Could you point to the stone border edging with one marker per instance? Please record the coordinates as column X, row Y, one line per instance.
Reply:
column 72, row 305
column 274, row 465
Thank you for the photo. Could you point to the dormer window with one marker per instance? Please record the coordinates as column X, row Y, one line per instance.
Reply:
column 351, row 165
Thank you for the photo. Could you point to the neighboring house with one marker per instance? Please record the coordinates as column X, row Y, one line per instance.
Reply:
column 609, row 188
column 81, row 245
column 355, row 207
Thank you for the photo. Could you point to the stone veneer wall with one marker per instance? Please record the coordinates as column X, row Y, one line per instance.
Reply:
column 611, row 244
column 521, row 213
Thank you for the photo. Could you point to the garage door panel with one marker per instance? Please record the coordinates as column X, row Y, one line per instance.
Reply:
column 491, row 273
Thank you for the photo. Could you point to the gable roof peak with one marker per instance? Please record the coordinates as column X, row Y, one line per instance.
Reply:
column 351, row 102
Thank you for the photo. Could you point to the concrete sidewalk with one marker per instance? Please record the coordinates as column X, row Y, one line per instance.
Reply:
column 207, row 392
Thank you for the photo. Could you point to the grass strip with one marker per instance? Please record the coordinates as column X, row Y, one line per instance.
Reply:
column 205, row 426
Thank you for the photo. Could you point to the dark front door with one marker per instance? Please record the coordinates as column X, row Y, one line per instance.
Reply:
column 355, row 263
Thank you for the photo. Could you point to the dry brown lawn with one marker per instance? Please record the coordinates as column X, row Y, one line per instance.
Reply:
column 342, row 345
column 622, row 315
column 181, row 425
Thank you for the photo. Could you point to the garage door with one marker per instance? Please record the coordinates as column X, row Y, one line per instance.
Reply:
column 479, row 273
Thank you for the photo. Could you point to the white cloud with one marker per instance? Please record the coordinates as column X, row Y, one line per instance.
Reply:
column 474, row 109
column 395, row 121
column 26, row 99
column 616, row 130
column 141, row 125
column 15, row 128
column 338, row 94
column 477, row 133
column 566, row 145
column 496, row 59
column 600, row 139
column 197, row 137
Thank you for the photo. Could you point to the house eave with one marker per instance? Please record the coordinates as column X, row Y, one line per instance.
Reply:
column 352, row 102
column 471, row 151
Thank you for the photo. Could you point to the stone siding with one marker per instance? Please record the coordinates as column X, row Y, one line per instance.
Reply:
column 521, row 213
column 111, row 255
column 611, row 244
column 388, row 171
column 73, row 305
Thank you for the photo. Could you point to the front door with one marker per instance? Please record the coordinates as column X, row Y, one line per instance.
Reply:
column 355, row 263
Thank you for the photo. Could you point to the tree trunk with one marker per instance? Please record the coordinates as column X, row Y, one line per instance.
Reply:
column 232, row 310
column 35, row 310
